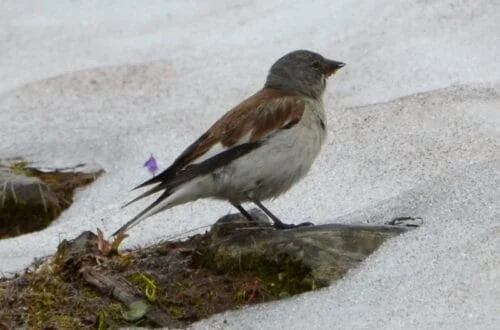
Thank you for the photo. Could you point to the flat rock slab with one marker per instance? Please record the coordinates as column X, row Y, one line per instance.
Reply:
column 327, row 251
column 174, row 283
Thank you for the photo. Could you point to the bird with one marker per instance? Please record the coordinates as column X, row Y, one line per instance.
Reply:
column 256, row 151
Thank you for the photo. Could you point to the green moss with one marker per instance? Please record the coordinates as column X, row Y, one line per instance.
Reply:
column 282, row 276
column 20, row 168
column 115, row 310
column 89, row 292
column 102, row 324
column 147, row 284
column 45, row 301
column 174, row 298
column 285, row 275
column 241, row 298
column 110, row 317
column 124, row 260
column 46, row 295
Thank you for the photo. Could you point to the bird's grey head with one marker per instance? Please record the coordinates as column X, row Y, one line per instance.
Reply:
column 302, row 72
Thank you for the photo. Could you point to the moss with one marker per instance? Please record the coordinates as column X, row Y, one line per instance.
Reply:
column 88, row 291
column 110, row 317
column 284, row 275
column 182, row 300
column 147, row 284
column 20, row 168
column 125, row 260
column 45, row 300
column 45, row 297
column 115, row 311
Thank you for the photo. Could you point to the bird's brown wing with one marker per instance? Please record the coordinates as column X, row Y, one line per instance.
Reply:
column 238, row 132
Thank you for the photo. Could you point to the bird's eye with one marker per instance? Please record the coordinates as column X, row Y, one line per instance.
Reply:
column 316, row 65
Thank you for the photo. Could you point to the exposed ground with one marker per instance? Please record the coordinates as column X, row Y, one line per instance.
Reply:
column 88, row 283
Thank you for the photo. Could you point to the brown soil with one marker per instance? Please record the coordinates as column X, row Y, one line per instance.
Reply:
column 63, row 184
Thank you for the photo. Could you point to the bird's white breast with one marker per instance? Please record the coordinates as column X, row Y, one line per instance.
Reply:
column 282, row 160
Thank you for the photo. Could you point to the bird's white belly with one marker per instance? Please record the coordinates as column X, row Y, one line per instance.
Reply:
column 274, row 167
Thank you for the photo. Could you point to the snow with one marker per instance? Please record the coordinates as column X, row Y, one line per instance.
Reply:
column 414, row 129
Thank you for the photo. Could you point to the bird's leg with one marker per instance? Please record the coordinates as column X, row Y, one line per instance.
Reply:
column 278, row 224
column 244, row 212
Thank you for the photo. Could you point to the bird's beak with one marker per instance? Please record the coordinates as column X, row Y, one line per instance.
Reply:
column 333, row 66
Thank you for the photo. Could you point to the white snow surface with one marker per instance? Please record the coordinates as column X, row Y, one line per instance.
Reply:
column 413, row 121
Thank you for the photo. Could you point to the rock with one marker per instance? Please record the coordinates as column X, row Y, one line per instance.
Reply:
column 322, row 253
column 230, row 223
column 30, row 199
column 26, row 204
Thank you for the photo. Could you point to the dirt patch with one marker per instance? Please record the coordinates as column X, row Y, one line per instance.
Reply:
column 64, row 184
column 177, row 282
column 88, row 283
